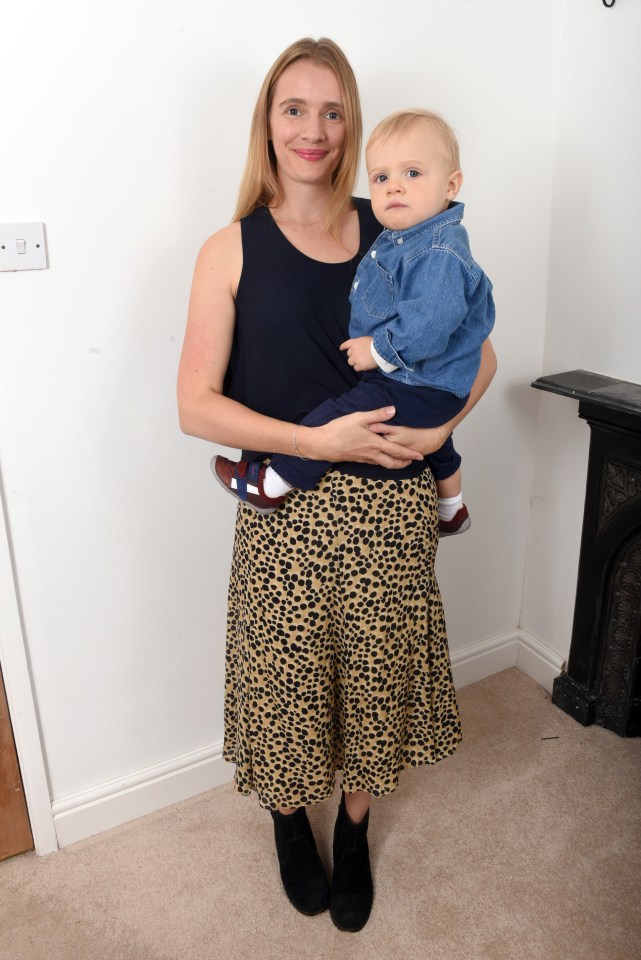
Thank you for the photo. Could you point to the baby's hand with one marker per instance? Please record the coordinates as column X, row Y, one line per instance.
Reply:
column 359, row 354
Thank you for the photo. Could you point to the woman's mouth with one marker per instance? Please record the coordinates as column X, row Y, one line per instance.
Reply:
column 311, row 154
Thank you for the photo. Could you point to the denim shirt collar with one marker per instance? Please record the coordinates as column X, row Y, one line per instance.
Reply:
column 453, row 214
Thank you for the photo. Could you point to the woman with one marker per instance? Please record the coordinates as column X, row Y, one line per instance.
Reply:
column 337, row 656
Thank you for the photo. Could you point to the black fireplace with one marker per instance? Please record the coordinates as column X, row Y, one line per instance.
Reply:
column 602, row 683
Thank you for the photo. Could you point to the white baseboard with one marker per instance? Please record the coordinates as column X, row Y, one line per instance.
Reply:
column 538, row 661
column 481, row 660
column 118, row 801
column 514, row 649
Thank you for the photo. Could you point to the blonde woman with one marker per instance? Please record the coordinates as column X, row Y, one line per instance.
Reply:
column 337, row 655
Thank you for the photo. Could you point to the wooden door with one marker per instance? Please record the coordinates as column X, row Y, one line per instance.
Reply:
column 15, row 830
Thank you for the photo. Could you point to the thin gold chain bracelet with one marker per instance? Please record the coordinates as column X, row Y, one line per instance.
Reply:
column 296, row 449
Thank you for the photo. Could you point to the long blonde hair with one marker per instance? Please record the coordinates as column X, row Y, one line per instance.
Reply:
column 259, row 185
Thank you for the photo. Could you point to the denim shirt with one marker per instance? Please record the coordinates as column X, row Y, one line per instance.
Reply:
column 425, row 302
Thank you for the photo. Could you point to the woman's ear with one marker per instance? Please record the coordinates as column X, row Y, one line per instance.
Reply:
column 454, row 184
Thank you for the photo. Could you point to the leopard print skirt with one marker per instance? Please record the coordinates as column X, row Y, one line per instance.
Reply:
column 337, row 654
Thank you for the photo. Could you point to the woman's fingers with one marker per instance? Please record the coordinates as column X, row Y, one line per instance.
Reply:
column 401, row 438
column 376, row 416
column 390, row 463
column 371, row 447
column 355, row 437
column 390, row 453
column 398, row 451
column 426, row 439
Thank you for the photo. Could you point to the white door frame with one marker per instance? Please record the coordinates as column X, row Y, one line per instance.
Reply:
column 22, row 708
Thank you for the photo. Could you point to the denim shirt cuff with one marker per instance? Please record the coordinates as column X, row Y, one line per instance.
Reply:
column 381, row 344
column 384, row 365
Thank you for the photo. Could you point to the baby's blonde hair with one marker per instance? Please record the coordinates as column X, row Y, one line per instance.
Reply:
column 404, row 120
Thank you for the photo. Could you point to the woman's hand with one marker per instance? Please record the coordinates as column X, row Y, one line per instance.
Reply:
column 357, row 437
column 427, row 439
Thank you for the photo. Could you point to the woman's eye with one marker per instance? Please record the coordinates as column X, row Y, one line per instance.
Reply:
column 293, row 112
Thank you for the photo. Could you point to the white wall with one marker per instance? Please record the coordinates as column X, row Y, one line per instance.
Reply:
column 127, row 130
column 593, row 315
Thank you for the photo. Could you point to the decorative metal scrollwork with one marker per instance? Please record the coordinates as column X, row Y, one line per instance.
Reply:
column 620, row 486
column 620, row 639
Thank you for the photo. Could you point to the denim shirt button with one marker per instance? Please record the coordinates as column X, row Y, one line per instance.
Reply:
column 373, row 254
column 400, row 240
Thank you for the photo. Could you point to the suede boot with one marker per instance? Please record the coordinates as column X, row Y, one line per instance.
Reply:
column 352, row 889
column 301, row 870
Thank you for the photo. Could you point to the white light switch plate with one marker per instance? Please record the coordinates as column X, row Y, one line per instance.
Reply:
column 22, row 246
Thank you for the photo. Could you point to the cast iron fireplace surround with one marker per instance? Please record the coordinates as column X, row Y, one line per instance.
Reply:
column 602, row 683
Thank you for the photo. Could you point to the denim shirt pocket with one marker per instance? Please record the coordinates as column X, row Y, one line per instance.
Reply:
column 378, row 293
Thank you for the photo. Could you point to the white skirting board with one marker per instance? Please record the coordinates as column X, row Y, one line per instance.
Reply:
column 119, row 801
column 514, row 649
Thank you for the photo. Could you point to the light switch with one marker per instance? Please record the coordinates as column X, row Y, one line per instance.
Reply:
column 22, row 246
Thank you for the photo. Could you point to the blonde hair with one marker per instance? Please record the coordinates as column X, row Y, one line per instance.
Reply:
column 404, row 120
column 259, row 185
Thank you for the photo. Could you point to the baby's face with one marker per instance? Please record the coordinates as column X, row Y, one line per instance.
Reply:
column 410, row 178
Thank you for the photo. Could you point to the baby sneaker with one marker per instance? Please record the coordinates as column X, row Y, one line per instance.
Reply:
column 459, row 523
column 244, row 480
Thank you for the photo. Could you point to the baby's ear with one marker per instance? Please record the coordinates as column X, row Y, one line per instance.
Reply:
column 454, row 184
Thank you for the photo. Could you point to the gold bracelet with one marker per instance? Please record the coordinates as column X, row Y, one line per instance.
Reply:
column 296, row 450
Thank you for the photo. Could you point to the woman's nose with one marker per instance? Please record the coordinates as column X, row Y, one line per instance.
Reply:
column 313, row 129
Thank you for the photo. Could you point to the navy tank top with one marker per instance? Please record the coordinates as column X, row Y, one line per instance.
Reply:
column 292, row 312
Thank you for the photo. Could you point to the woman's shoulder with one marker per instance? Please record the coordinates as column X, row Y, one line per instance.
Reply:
column 222, row 239
column 223, row 254
column 223, row 244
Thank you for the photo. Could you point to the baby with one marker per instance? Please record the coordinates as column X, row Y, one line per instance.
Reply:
column 421, row 309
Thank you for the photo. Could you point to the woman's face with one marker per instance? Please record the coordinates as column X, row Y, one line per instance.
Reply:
column 307, row 123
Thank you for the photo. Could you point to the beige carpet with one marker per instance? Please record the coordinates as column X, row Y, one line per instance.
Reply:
column 519, row 847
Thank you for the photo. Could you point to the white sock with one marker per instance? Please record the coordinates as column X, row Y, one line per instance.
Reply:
column 273, row 485
column 448, row 507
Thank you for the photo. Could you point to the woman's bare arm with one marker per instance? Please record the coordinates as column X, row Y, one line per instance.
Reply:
column 429, row 439
column 205, row 412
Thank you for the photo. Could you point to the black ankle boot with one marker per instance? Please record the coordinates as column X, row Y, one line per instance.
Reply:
column 352, row 888
column 301, row 870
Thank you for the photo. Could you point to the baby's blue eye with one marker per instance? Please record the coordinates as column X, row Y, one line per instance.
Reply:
column 381, row 178
column 413, row 173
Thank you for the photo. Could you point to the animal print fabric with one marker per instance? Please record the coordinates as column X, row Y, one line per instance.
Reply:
column 337, row 655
